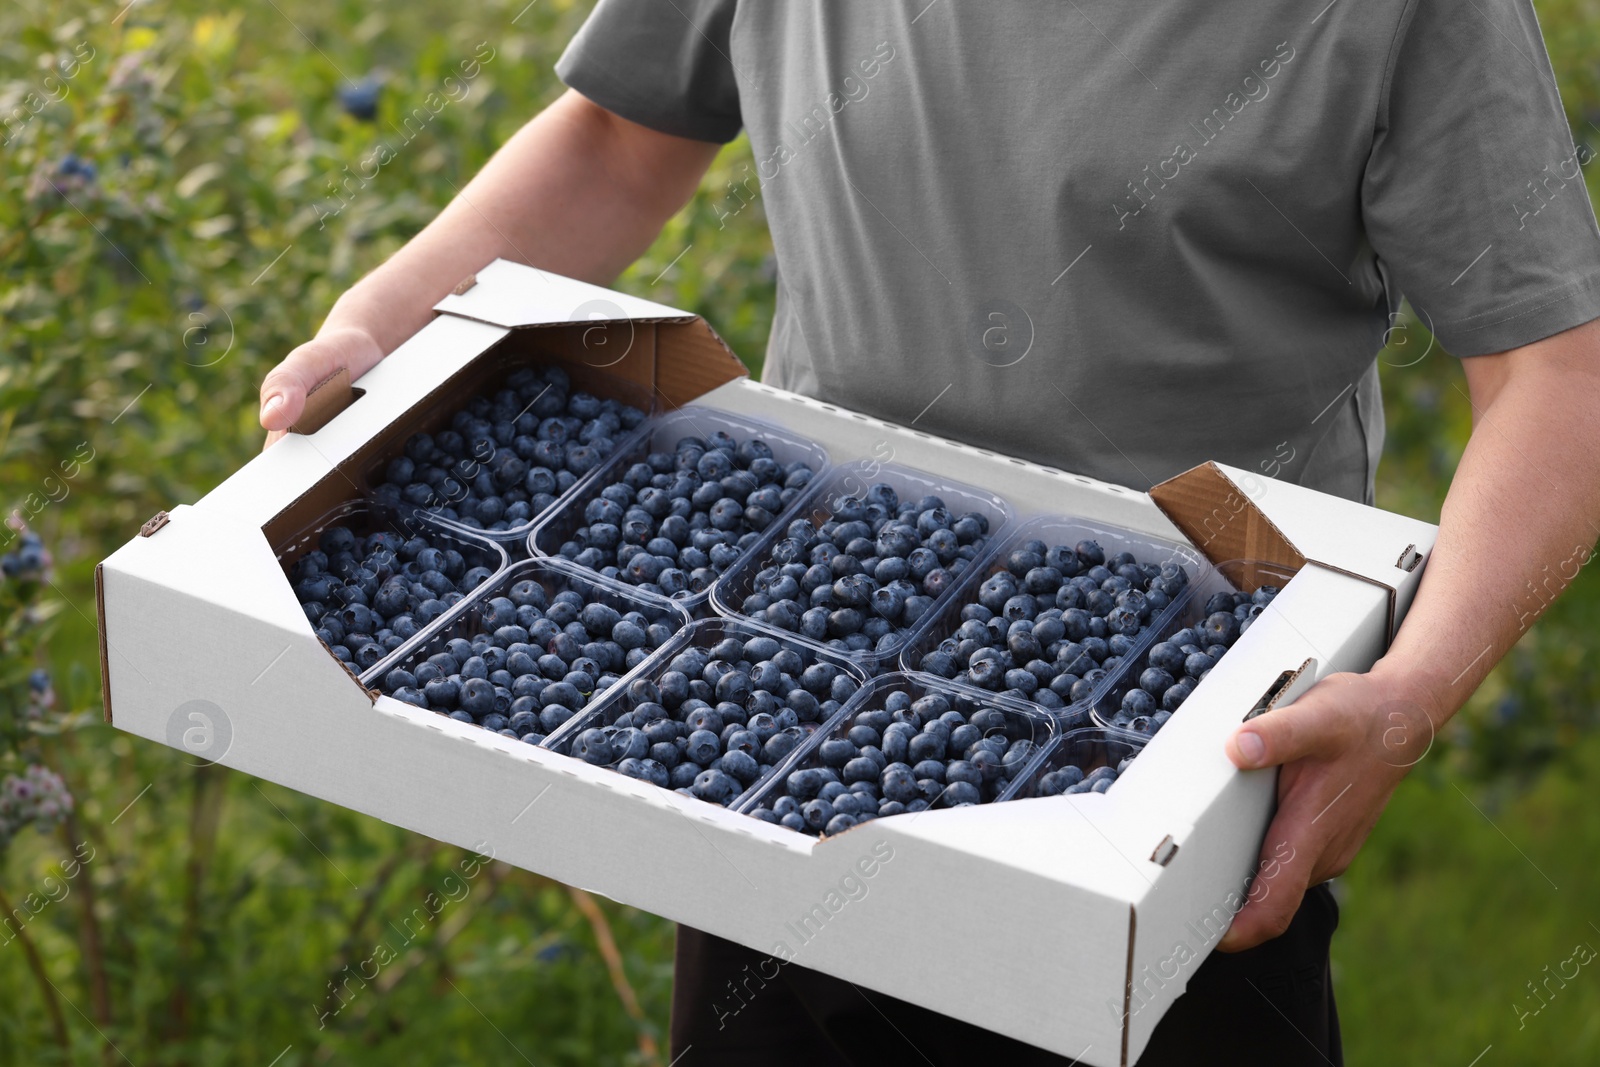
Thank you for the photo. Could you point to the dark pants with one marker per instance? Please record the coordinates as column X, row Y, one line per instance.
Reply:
column 1272, row 1004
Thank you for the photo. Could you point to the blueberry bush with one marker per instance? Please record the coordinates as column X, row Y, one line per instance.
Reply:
column 186, row 188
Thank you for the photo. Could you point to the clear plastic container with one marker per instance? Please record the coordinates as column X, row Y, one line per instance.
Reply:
column 556, row 576
column 1054, row 530
column 703, row 633
column 1239, row 575
column 819, row 504
column 363, row 517
column 1077, row 714
column 661, row 434
column 1087, row 749
column 1019, row 722
column 486, row 376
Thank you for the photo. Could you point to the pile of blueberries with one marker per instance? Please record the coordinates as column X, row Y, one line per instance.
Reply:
column 535, row 662
column 718, row 719
column 1071, row 779
column 507, row 456
column 673, row 522
column 1054, row 621
column 368, row 595
column 910, row 754
column 1173, row 667
column 867, row 574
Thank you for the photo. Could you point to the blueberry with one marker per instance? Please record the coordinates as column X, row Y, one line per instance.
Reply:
column 1167, row 656
column 359, row 99
column 860, row 769
column 839, row 824
column 1155, row 681
column 806, row 783
column 651, row 771
column 1138, row 702
column 898, row 783
column 741, row 766
column 781, row 744
column 817, row 813
column 629, row 743
column 704, row 746
column 836, row 752
column 715, row 786
column 553, row 716
column 593, row 746
column 477, row 697
column 1175, row 696
column 1220, row 628
column 959, row 793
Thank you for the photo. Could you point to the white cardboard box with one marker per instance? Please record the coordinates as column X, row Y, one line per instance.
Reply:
column 1109, row 901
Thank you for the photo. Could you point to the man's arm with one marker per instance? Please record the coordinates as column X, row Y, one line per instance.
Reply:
column 578, row 191
column 1521, row 517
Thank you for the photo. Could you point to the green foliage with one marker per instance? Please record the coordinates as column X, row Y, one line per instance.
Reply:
column 183, row 199
column 182, row 196
column 1461, row 898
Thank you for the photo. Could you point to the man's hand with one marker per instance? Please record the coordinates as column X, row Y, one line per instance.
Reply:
column 283, row 392
column 1344, row 746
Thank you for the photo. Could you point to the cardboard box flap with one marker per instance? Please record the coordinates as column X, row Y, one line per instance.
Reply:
column 1235, row 514
column 688, row 358
column 513, row 295
column 1222, row 519
column 691, row 360
column 214, row 558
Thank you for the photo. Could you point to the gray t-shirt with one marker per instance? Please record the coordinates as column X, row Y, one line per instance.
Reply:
column 1121, row 239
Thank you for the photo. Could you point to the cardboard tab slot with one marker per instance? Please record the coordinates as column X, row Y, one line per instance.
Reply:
column 326, row 399
column 1164, row 851
column 1283, row 689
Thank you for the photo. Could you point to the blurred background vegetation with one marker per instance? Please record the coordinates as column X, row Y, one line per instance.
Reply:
column 171, row 224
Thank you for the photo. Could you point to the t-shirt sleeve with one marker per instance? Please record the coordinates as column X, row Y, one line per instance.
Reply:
column 665, row 64
column 1473, row 196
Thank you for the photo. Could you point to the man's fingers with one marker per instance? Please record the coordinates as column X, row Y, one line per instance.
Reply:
column 1275, row 891
column 1317, row 723
column 1267, row 915
column 283, row 391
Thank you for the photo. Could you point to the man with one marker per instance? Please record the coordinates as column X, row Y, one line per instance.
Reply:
column 1118, row 239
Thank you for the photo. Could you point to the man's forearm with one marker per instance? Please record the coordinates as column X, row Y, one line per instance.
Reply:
column 1521, row 518
column 576, row 191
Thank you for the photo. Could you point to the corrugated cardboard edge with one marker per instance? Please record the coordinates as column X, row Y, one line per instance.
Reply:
column 1127, row 988
column 325, row 400
column 1287, row 688
column 105, row 647
column 691, row 360
column 1195, row 499
column 372, row 694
